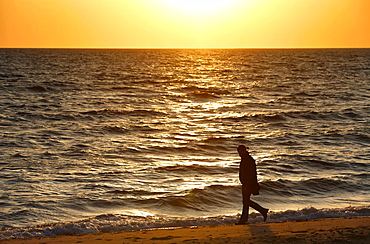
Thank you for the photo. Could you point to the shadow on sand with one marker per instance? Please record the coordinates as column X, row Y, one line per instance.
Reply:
column 262, row 233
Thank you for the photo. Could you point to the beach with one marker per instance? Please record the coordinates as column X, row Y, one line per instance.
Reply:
column 341, row 230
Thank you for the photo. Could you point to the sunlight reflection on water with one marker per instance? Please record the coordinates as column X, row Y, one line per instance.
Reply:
column 115, row 130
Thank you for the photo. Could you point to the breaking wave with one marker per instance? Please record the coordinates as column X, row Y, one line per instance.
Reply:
column 119, row 222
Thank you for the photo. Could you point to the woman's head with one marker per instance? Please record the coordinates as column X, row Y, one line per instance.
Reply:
column 242, row 150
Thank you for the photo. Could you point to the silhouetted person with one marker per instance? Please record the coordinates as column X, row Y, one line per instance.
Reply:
column 248, row 178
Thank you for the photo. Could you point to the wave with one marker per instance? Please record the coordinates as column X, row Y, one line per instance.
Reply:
column 195, row 89
column 112, row 112
column 258, row 118
column 306, row 115
column 124, row 222
column 204, row 200
column 39, row 88
column 41, row 116
column 202, row 95
column 314, row 187
column 114, row 129
column 175, row 149
column 194, row 92
column 134, row 192
column 196, row 169
column 225, row 195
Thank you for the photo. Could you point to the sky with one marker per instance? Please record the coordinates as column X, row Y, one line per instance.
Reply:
column 184, row 23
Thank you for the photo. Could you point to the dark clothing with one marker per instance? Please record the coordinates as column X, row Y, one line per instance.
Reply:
column 248, row 175
column 247, row 202
column 248, row 178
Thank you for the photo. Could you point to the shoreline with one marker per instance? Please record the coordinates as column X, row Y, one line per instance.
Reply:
column 336, row 230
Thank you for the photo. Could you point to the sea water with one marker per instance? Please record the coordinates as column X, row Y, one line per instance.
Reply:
column 105, row 140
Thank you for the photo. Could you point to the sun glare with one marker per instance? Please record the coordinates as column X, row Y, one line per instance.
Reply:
column 199, row 7
column 200, row 22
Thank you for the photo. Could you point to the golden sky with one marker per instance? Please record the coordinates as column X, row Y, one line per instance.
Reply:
column 184, row 23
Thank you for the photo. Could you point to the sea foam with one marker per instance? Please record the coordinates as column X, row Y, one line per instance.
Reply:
column 117, row 222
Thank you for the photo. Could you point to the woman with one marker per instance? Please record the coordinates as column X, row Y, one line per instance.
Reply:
column 248, row 178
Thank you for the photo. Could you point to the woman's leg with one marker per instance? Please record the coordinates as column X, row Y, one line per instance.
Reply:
column 256, row 206
column 259, row 208
column 246, row 201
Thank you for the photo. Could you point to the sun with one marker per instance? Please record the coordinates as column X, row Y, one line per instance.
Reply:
column 200, row 7
column 199, row 22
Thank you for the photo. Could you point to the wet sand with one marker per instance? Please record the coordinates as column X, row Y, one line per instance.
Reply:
column 352, row 230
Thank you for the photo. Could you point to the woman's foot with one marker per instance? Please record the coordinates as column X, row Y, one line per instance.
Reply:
column 264, row 214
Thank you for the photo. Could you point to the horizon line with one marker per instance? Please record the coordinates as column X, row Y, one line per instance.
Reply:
column 185, row 47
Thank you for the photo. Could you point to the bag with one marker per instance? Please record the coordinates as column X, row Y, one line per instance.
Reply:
column 256, row 189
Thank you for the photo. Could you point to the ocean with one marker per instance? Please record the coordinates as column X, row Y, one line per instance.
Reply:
column 99, row 140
